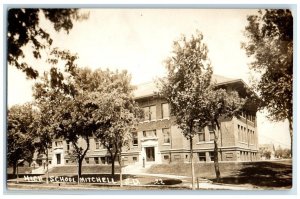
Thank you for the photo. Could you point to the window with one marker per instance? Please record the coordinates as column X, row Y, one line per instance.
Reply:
column 245, row 134
column 166, row 134
column 152, row 112
column 202, row 156
column 87, row 160
column 68, row 146
column 50, row 147
column 212, row 156
column 134, row 139
column 102, row 160
column 58, row 143
column 149, row 113
column 67, row 161
column 97, row 143
column 165, row 110
column 146, row 113
column 166, row 157
column 177, row 157
column 151, row 133
column 109, row 160
column 201, row 136
column 134, row 159
column 96, row 160
column 211, row 130
column 239, row 133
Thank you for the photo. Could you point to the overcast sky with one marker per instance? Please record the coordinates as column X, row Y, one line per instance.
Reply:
column 139, row 40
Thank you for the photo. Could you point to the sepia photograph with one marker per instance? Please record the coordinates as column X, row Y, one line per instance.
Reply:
column 149, row 99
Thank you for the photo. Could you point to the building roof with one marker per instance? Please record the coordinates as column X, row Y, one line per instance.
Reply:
column 150, row 88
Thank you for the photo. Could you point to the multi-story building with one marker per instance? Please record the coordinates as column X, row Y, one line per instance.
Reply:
column 157, row 138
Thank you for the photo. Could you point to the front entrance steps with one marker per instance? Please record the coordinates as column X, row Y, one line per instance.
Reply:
column 41, row 169
column 137, row 168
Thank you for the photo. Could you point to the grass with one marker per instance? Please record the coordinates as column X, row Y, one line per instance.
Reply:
column 85, row 169
column 24, row 170
column 264, row 174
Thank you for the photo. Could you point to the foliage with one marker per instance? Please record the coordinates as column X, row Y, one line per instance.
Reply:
column 117, row 110
column 282, row 153
column 24, row 28
column 270, row 44
column 19, row 134
column 220, row 104
column 267, row 154
column 195, row 100
column 189, row 75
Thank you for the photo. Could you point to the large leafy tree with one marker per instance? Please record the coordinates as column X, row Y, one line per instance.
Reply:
column 117, row 111
column 69, row 113
column 76, row 119
column 120, row 119
column 220, row 104
column 270, row 44
column 189, row 75
column 24, row 29
column 19, row 134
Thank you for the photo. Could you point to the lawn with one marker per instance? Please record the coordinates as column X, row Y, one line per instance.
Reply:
column 263, row 174
column 85, row 169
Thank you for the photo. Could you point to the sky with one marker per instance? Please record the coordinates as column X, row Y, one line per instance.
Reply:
column 139, row 40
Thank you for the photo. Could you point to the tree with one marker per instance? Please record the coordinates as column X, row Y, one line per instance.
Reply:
column 70, row 115
column 19, row 134
column 43, row 131
column 286, row 153
column 267, row 154
column 119, row 112
column 189, row 75
column 270, row 44
column 24, row 28
column 75, row 119
column 120, row 119
column 220, row 104
column 57, row 95
column 279, row 152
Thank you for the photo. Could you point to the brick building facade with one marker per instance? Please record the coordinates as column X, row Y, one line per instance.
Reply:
column 158, row 140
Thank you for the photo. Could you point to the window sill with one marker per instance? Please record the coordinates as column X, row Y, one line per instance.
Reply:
column 166, row 144
column 205, row 142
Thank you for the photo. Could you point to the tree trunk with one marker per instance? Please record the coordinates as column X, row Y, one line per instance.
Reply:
column 14, row 169
column 216, row 155
column 121, row 165
column 192, row 163
column 79, row 166
column 216, row 161
column 47, row 162
column 113, row 166
column 291, row 134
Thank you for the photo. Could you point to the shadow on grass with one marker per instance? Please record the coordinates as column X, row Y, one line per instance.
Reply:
column 262, row 174
column 165, row 182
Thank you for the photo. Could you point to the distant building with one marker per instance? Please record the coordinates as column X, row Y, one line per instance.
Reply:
column 158, row 139
column 263, row 148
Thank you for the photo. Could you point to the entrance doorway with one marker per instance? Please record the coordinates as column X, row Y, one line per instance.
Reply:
column 150, row 155
column 58, row 158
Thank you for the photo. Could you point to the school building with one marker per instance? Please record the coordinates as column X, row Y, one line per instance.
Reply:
column 157, row 138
